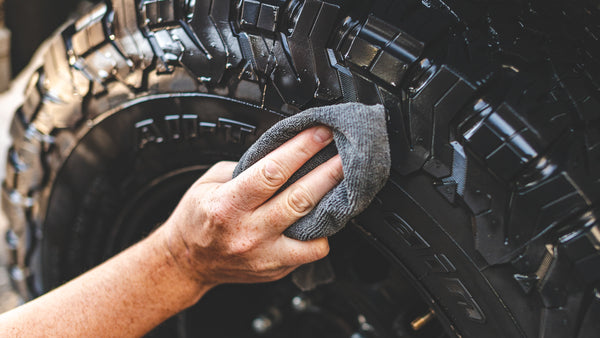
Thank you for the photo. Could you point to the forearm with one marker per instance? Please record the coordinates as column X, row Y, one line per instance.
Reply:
column 126, row 296
column 223, row 231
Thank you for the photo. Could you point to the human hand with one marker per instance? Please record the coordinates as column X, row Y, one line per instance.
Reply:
column 230, row 230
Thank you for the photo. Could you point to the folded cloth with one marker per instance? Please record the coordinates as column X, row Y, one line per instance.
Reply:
column 360, row 137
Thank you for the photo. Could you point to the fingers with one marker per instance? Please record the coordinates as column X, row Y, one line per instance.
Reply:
column 221, row 172
column 295, row 252
column 301, row 197
column 257, row 184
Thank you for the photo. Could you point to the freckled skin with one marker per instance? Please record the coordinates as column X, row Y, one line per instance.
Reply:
column 222, row 231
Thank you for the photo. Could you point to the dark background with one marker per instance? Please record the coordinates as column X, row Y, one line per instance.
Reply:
column 32, row 21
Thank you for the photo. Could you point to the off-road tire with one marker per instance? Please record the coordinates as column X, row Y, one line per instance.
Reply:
column 492, row 204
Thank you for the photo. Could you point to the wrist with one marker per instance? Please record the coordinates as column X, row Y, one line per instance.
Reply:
column 177, row 259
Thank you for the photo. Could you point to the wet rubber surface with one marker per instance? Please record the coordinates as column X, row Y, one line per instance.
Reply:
column 9, row 101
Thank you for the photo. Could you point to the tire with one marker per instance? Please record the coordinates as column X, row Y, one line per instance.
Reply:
column 490, row 213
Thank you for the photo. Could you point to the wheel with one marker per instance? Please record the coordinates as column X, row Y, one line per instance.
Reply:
column 488, row 223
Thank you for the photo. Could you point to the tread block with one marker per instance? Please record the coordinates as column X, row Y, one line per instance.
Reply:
column 362, row 52
column 33, row 97
column 56, row 64
column 542, row 205
column 57, row 89
column 193, row 58
column 501, row 138
column 95, row 15
column 15, row 213
column 220, row 15
column 388, row 68
column 27, row 168
column 125, row 21
column 285, row 61
column 367, row 91
column 63, row 115
column 383, row 49
column 448, row 190
column 582, row 248
column 441, row 99
column 447, row 157
column 405, row 160
column 156, row 12
column 125, row 33
column 405, row 47
column 581, row 243
column 295, row 76
column 249, row 13
column 489, row 237
column 56, row 82
column 10, row 175
column 267, row 18
column 89, row 31
column 88, row 38
column 329, row 81
column 262, row 60
column 18, row 128
column 102, row 64
column 505, row 162
column 378, row 32
column 485, row 141
column 208, row 33
column 170, row 44
column 486, row 197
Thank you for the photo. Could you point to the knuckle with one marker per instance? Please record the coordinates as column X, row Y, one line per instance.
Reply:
column 336, row 175
column 224, row 164
column 266, row 266
column 240, row 247
column 273, row 174
column 305, row 151
column 300, row 200
column 321, row 248
column 217, row 166
column 219, row 212
column 220, row 166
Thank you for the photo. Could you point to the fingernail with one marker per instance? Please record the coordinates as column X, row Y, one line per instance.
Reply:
column 323, row 134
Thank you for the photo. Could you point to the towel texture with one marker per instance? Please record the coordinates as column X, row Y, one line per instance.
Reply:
column 360, row 137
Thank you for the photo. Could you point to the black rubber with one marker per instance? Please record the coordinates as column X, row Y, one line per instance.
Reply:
column 493, row 109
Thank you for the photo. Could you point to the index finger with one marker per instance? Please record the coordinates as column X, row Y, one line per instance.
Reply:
column 259, row 182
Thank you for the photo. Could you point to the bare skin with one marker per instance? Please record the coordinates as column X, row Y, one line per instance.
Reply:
column 222, row 231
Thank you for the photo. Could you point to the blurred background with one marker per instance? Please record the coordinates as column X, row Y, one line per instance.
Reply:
column 24, row 25
column 30, row 22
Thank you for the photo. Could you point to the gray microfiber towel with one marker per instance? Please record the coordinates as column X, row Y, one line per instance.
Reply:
column 360, row 137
